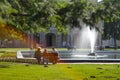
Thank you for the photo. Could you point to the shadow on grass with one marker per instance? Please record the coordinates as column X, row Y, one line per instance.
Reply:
column 4, row 66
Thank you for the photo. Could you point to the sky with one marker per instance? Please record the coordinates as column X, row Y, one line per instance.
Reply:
column 99, row 0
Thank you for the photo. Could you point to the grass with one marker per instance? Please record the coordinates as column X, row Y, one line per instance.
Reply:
column 24, row 71
column 12, row 49
column 60, row 49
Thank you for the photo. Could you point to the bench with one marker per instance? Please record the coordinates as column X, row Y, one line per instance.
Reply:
column 51, row 56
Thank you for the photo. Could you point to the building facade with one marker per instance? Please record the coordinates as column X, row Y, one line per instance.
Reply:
column 50, row 39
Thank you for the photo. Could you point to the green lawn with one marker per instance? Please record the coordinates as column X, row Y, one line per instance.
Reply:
column 12, row 49
column 60, row 49
column 22, row 71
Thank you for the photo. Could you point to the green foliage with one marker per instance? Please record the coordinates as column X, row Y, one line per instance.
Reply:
column 9, row 54
column 112, row 20
column 39, row 15
column 110, row 10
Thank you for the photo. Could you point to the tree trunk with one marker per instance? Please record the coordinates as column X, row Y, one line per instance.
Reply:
column 115, row 37
column 115, row 43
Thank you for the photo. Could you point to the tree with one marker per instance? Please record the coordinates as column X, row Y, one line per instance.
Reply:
column 38, row 15
column 112, row 24
column 78, row 11
column 35, row 16
column 7, row 31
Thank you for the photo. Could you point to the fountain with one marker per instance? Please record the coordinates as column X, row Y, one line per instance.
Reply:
column 86, row 42
column 92, row 37
column 86, row 39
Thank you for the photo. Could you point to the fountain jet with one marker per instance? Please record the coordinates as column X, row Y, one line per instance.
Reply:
column 92, row 37
column 86, row 38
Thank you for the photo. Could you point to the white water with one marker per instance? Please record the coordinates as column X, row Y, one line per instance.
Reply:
column 86, row 38
column 92, row 34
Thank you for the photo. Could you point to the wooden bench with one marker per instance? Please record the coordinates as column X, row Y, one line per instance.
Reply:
column 51, row 56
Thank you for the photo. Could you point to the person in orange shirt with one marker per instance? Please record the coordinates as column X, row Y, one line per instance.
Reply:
column 45, row 58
